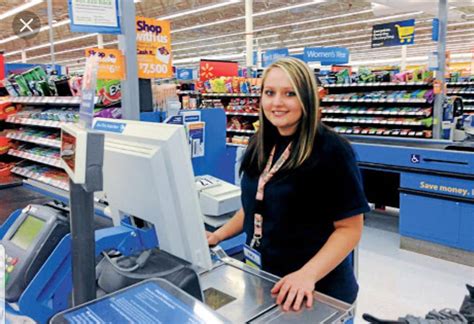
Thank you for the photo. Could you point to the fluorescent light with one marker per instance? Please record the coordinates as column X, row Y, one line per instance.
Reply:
column 200, row 9
column 288, row 8
column 218, row 22
column 20, row 8
column 209, row 45
column 63, row 41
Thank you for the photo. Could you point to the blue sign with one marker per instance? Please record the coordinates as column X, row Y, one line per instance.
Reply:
column 415, row 158
column 95, row 16
column 394, row 34
column 113, row 127
column 326, row 55
column 184, row 74
column 435, row 30
column 147, row 303
column 176, row 120
column 271, row 56
column 299, row 56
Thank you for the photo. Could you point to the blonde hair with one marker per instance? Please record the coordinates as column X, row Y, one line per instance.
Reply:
column 304, row 84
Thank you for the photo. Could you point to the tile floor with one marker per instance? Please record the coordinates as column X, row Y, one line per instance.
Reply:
column 395, row 282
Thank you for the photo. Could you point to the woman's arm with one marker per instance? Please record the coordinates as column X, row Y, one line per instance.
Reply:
column 295, row 286
column 233, row 227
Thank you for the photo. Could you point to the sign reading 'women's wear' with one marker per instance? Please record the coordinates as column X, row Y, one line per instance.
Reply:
column 153, row 48
column 394, row 34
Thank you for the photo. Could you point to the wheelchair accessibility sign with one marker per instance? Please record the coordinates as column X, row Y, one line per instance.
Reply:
column 415, row 158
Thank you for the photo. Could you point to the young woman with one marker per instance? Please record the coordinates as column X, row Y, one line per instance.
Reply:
column 302, row 195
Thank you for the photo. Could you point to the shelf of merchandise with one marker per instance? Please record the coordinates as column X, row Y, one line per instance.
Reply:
column 36, row 158
column 231, row 95
column 24, row 172
column 348, row 111
column 368, row 100
column 382, row 112
column 464, row 89
column 35, row 122
column 21, row 136
column 234, row 113
column 237, row 145
column 243, row 131
column 46, row 100
column 24, row 118
column 375, row 84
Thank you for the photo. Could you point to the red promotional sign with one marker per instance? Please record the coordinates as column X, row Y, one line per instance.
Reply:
column 2, row 67
column 209, row 69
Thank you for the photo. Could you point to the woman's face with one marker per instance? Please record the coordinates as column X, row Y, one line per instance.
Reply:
column 280, row 103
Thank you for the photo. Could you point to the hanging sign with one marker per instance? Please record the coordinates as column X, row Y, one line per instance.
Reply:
column 394, row 33
column 326, row 55
column 153, row 48
column 209, row 69
column 94, row 16
column 89, row 83
column 111, row 63
column 271, row 56
column 184, row 74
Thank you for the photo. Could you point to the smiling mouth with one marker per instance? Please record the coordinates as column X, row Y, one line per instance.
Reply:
column 279, row 113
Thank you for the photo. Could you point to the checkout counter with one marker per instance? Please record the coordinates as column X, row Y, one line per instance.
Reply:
column 231, row 290
column 432, row 182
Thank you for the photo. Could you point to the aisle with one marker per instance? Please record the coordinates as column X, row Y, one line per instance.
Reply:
column 396, row 282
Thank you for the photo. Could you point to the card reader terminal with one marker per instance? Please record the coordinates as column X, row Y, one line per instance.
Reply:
column 28, row 243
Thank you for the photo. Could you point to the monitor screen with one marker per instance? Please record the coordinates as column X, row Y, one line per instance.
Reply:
column 27, row 232
column 157, row 163
column 68, row 149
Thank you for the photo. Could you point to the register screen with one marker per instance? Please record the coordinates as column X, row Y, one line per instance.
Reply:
column 27, row 232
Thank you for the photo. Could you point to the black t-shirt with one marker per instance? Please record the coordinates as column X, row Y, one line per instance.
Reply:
column 300, row 208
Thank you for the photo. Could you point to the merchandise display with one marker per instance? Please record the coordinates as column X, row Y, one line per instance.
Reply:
column 463, row 86
column 381, row 103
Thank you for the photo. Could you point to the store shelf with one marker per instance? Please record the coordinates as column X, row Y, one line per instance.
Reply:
column 373, row 122
column 61, row 184
column 397, row 133
column 47, row 100
column 231, row 95
column 468, row 101
column 237, row 145
column 376, row 84
column 399, row 100
column 231, row 113
column 188, row 92
column 37, row 158
column 400, row 112
column 19, row 136
column 243, row 131
column 460, row 83
column 461, row 92
column 36, row 122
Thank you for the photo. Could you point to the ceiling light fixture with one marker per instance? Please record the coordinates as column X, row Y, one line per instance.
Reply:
column 200, row 9
column 20, row 8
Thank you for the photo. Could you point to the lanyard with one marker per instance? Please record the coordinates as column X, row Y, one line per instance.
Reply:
column 266, row 175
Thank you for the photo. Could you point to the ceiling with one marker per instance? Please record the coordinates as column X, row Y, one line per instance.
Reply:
column 221, row 31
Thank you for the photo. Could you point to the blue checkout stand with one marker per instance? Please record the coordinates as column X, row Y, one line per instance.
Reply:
column 432, row 182
column 435, row 190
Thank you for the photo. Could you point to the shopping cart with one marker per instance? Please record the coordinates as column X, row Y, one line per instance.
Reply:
column 405, row 33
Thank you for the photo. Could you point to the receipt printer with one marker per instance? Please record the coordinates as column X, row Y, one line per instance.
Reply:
column 216, row 196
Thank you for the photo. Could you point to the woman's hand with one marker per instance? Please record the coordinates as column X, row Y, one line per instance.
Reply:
column 212, row 238
column 292, row 289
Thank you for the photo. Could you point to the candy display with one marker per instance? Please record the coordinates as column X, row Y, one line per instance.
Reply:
column 108, row 92
column 421, row 95
column 43, row 173
column 230, row 85
column 55, row 114
column 365, row 75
